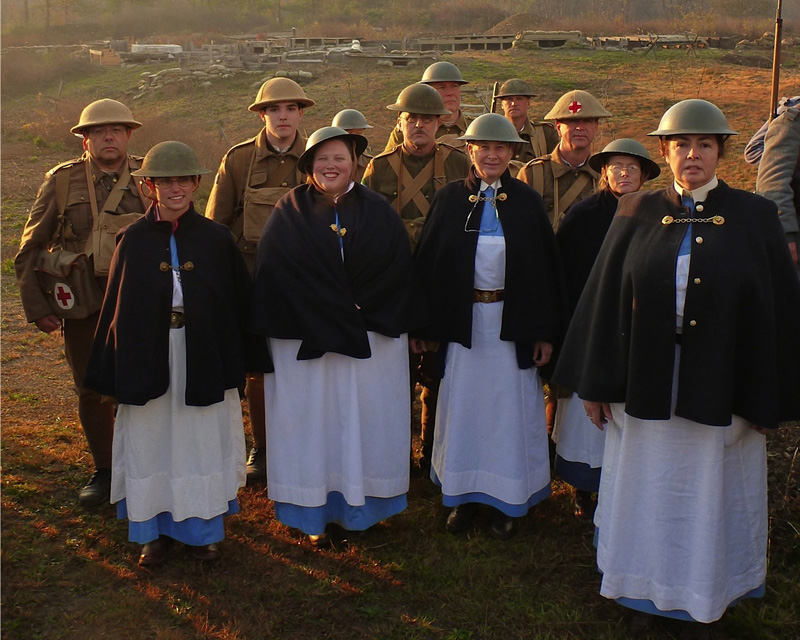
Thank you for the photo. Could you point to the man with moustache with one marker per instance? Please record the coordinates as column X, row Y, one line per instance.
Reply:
column 446, row 78
column 252, row 177
column 408, row 176
column 563, row 177
column 539, row 138
column 80, row 206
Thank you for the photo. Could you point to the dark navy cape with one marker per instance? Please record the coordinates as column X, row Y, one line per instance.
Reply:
column 534, row 298
column 130, row 353
column 740, row 346
column 303, row 290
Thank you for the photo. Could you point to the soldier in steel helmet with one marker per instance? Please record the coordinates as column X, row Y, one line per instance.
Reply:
column 252, row 177
column 80, row 206
column 488, row 263
column 563, row 177
column 172, row 347
column 446, row 78
column 408, row 176
column 539, row 138
column 684, row 347
column 354, row 122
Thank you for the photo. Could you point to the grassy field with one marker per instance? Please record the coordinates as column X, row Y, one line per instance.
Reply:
column 70, row 573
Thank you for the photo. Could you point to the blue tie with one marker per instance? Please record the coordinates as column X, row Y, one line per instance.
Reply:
column 686, row 245
column 490, row 223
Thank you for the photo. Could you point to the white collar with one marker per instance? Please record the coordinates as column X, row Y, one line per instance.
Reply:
column 701, row 193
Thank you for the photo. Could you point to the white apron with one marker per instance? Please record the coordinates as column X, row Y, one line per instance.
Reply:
column 682, row 512
column 491, row 433
column 338, row 423
column 169, row 457
column 576, row 438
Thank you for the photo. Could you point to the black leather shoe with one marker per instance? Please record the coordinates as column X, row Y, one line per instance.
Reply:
column 460, row 518
column 503, row 527
column 206, row 552
column 257, row 466
column 153, row 553
column 98, row 490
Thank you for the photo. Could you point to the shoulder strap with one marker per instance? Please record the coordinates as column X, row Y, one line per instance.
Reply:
column 439, row 174
column 62, row 190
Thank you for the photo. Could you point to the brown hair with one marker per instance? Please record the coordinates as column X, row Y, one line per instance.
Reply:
column 721, row 139
column 351, row 147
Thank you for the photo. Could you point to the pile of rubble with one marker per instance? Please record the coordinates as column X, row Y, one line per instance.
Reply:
column 204, row 78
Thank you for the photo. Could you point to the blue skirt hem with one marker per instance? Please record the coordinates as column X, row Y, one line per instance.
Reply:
column 196, row 532
column 511, row 510
column 648, row 606
column 578, row 474
column 313, row 520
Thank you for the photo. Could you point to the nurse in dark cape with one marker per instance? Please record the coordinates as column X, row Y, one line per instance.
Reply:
column 334, row 295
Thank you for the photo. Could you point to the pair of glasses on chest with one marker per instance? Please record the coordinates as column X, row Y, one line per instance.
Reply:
column 479, row 199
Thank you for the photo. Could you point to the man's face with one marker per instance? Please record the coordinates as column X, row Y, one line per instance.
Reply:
column 577, row 134
column 107, row 144
column 419, row 132
column 281, row 120
column 451, row 94
column 515, row 108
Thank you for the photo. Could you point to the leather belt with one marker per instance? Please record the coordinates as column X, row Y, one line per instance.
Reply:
column 480, row 295
column 176, row 319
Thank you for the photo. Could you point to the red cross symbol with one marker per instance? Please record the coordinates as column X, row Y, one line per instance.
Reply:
column 64, row 296
column 575, row 106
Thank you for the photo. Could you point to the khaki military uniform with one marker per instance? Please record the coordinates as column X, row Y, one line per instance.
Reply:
column 448, row 133
column 80, row 187
column 252, row 177
column 540, row 139
column 559, row 184
column 409, row 182
column 362, row 162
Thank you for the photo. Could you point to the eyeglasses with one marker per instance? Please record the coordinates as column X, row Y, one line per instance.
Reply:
column 100, row 132
column 164, row 183
column 630, row 169
column 414, row 118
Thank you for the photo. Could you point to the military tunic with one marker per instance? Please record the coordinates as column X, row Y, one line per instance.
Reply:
column 252, row 177
column 381, row 177
column 559, row 184
column 540, row 139
column 452, row 130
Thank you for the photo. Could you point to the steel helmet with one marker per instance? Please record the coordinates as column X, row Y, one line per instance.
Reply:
column 577, row 104
column 105, row 111
column 168, row 159
column 625, row 147
column 350, row 119
column 491, row 127
column 420, row 98
column 693, row 117
column 515, row 87
column 323, row 135
column 280, row 90
column 442, row 72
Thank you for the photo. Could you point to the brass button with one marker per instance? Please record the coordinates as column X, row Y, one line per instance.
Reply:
column 699, row 207
column 699, row 239
column 282, row 161
column 697, row 280
column 692, row 323
column 283, row 184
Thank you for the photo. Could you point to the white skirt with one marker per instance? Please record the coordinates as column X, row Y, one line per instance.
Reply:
column 338, row 424
column 491, row 431
column 576, row 438
column 682, row 513
column 169, row 457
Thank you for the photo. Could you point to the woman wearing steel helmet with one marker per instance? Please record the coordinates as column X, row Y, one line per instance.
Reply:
column 685, row 350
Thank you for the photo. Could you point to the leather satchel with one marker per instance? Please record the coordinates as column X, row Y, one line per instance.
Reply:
column 67, row 279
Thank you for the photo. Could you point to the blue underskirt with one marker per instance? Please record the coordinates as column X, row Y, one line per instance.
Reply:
column 578, row 474
column 313, row 520
column 196, row 532
column 511, row 510
column 648, row 606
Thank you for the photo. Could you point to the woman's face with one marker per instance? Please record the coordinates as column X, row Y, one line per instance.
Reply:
column 692, row 158
column 332, row 166
column 623, row 174
column 490, row 159
column 174, row 194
